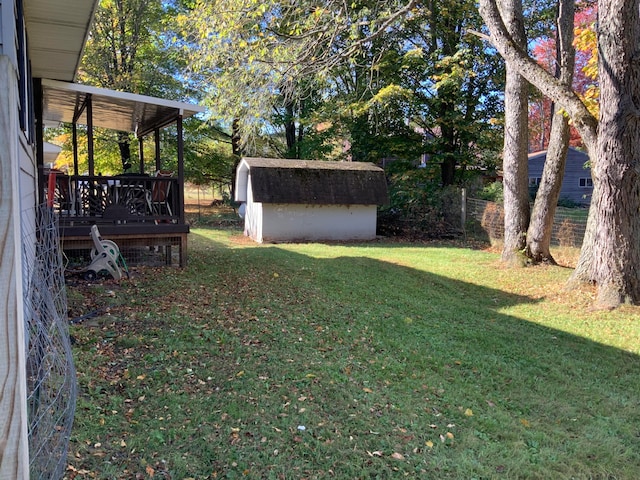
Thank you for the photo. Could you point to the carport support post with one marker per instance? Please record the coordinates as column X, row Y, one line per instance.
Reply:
column 141, row 155
column 92, row 170
column 180, row 167
column 156, row 137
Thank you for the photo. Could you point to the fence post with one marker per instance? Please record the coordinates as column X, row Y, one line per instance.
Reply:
column 463, row 210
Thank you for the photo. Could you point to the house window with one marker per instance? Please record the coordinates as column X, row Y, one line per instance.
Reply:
column 25, row 107
column 534, row 181
column 585, row 182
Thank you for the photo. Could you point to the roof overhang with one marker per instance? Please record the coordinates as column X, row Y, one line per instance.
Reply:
column 57, row 32
column 67, row 102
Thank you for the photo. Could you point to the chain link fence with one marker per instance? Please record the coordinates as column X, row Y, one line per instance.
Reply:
column 486, row 219
column 51, row 377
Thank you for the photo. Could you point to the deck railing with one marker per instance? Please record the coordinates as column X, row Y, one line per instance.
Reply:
column 79, row 199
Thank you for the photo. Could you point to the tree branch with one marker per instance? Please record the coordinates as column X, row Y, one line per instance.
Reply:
column 550, row 86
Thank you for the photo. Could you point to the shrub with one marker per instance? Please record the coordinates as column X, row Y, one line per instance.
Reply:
column 493, row 192
column 418, row 204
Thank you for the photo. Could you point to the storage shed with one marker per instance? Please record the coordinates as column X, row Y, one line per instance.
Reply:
column 303, row 200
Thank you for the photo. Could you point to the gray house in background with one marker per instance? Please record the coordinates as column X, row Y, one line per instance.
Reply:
column 577, row 185
column 305, row 200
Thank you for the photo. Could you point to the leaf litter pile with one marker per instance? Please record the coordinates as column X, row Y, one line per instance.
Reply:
column 264, row 362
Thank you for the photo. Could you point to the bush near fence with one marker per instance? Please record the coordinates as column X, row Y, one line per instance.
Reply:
column 486, row 219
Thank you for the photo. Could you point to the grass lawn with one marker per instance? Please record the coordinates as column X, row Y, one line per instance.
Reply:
column 377, row 360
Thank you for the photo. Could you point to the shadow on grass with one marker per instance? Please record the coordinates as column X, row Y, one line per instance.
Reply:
column 353, row 367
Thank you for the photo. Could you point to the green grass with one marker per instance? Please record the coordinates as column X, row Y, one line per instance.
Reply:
column 380, row 360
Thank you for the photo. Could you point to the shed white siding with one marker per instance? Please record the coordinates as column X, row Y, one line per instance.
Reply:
column 253, row 217
column 295, row 222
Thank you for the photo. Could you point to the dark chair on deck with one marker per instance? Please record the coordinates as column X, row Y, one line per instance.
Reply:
column 160, row 194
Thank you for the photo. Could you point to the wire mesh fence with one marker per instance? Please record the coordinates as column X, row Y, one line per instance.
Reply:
column 487, row 218
column 51, row 378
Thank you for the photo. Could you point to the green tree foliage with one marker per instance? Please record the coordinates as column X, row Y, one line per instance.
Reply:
column 361, row 81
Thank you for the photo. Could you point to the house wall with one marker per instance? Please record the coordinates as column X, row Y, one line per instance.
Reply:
column 293, row 222
column 14, row 459
column 574, row 171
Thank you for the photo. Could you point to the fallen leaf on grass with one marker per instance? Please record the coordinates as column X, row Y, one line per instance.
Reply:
column 468, row 412
column 150, row 471
column 429, row 444
column 377, row 453
column 397, row 456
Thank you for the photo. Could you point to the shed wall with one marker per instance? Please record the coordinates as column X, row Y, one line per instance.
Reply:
column 295, row 222
column 253, row 215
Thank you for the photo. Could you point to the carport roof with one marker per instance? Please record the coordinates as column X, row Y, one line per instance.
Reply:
column 66, row 102
column 57, row 31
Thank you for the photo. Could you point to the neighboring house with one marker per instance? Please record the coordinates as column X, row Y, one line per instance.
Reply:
column 577, row 185
column 304, row 200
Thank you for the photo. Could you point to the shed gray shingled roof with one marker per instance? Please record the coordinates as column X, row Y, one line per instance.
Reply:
column 316, row 182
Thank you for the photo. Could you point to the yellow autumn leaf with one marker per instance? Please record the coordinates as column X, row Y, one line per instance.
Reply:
column 367, row 390
column 525, row 422
column 429, row 444
column 450, row 435
column 468, row 412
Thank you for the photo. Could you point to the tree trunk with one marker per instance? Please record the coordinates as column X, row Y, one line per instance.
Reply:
column 616, row 247
column 582, row 119
column 124, row 145
column 236, row 150
column 516, row 55
column 514, row 166
column 544, row 208
column 290, row 130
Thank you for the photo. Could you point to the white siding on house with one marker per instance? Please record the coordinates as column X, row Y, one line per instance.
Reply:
column 574, row 171
column 13, row 398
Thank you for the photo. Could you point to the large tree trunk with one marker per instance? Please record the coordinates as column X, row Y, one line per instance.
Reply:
column 514, row 163
column 616, row 248
column 544, row 208
column 582, row 119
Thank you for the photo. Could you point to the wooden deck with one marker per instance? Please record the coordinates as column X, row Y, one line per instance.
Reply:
column 131, row 210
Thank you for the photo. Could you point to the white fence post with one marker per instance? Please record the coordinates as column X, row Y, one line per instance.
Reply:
column 463, row 210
